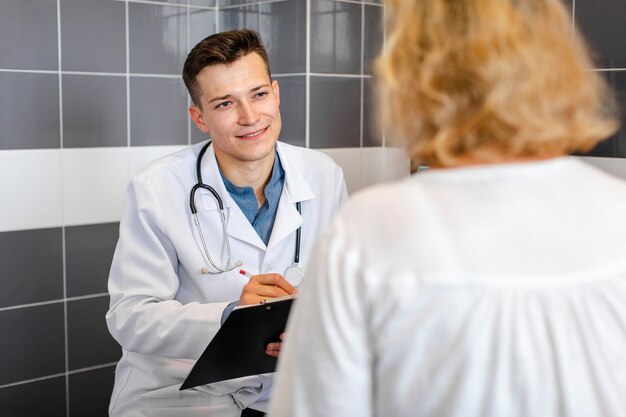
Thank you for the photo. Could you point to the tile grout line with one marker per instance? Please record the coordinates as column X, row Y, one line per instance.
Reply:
column 63, row 250
column 362, row 79
column 307, row 78
column 57, row 375
column 127, row 51
column 55, row 301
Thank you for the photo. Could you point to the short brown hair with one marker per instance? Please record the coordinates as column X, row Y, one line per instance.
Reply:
column 220, row 48
column 507, row 77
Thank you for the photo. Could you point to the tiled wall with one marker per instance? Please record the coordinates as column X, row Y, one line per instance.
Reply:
column 91, row 92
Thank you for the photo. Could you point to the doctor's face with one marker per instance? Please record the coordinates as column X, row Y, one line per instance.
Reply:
column 239, row 109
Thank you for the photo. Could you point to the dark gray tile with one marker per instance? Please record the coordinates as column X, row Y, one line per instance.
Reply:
column 93, row 35
column 226, row 3
column 158, row 111
column 90, row 392
column 40, row 398
column 33, row 342
column 94, row 111
column 239, row 18
column 89, row 341
column 371, row 132
column 373, row 36
column 210, row 3
column 615, row 146
column 201, row 24
column 293, row 109
column 603, row 22
column 157, row 38
column 283, row 28
column 31, row 266
column 335, row 112
column 88, row 255
column 335, row 37
column 28, row 34
column 30, row 94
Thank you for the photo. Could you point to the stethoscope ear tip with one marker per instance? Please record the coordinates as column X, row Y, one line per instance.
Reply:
column 238, row 263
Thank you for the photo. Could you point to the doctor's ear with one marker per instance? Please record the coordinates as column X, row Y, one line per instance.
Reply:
column 276, row 90
column 198, row 118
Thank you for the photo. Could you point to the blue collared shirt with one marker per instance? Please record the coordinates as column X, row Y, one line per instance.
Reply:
column 261, row 218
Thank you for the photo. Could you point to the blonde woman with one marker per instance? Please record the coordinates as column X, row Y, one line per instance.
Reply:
column 495, row 283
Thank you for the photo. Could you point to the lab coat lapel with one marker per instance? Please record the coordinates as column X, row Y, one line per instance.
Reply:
column 238, row 225
column 295, row 189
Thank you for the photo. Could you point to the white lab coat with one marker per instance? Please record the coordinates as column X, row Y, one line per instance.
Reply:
column 163, row 312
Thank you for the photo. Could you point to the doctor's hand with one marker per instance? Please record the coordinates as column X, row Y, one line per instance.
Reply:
column 265, row 287
column 273, row 349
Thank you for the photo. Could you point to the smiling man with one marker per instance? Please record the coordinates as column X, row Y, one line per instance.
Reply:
column 193, row 219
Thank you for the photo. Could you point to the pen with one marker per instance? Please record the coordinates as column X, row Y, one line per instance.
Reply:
column 245, row 273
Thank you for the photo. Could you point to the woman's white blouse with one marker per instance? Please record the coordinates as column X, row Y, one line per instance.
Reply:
column 470, row 292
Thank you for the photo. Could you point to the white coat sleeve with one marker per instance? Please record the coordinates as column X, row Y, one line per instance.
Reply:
column 143, row 316
column 326, row 361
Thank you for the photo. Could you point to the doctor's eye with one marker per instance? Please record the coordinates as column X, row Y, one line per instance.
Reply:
column 223, row 105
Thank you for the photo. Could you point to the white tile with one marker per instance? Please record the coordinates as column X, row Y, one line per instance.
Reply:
column 30, row 189
column 383, row 164
column 94, row 181
column 140, row 156
column 615, row 166
column 349, row 159
column 363, row 167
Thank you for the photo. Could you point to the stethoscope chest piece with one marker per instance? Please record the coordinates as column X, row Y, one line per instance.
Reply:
column 294, row 275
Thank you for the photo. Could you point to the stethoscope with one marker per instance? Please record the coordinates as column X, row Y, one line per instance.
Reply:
column 293, row 273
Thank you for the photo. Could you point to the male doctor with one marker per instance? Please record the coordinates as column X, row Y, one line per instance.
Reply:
column 174, row 281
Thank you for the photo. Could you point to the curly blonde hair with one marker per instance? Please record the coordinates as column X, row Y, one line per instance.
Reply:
column 494, row 77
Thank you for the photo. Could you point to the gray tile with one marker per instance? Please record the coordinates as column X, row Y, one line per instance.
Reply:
column 40, row 398
column 226, row 3
column 88, row 340
column 371, row 134
column 335, row 112
column 31, row 266
column 90, row 392
column 201, row 24
column 94, row 111
column 30, row 94
column 239, row 18
column 33, row 342
column 615, row 146
column 293, row 109
column 93, row 35
column 157, row 39
column 28, row 34
column 373, row 36
column 172, row 1
column 335, row 37
column 210, row 3
column 158, row 111
column 603, row 22
column 283, row 29
column 88, row 255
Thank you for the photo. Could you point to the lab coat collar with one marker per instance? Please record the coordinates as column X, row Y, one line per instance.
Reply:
column 295, row 189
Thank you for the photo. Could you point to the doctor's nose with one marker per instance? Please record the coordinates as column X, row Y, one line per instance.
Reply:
column 248, row 114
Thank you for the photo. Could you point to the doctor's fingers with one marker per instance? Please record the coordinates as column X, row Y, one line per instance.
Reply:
column 265, row 291
column 276, row 280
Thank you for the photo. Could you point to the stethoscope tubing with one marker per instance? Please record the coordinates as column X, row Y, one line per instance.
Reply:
column 192, row 206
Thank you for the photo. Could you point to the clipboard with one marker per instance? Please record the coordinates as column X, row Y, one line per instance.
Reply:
column 238, row 348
